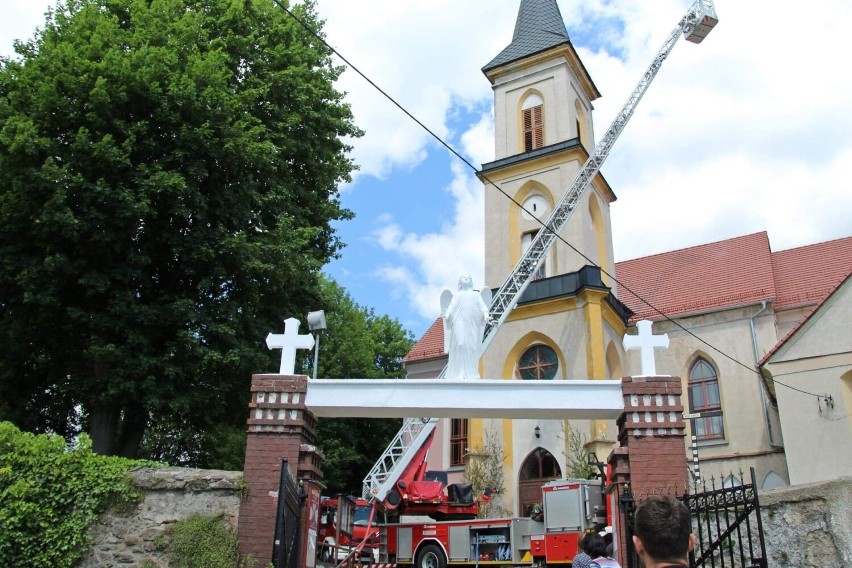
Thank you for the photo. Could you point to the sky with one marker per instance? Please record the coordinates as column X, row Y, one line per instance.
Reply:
column 749, row 131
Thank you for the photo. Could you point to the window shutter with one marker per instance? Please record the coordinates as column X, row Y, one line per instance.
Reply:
column 533, row 128
column 538, row 127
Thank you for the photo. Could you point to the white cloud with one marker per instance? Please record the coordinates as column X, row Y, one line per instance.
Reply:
column 438, row 258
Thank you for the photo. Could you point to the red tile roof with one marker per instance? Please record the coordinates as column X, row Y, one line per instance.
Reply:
column 713, row 276
column 701, row 278
column 430, row 346
column 806, row 275
column 801, row 322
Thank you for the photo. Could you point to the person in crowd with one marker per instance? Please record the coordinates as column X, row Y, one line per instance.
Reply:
column 596, row 549
column 581, row 559
column 662, row 532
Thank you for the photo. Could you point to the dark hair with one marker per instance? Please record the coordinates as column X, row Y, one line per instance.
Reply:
column 595, row 545
column 663, row 524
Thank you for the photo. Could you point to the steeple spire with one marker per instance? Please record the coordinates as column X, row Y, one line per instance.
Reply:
column 539, row 27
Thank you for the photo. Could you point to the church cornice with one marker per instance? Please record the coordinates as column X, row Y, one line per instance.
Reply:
column 565, row 286
column 540, row 158
column 565, row 50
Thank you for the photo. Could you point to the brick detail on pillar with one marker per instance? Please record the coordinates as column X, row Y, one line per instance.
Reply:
column 652, row 457
column 652, row 429
column 280, row 427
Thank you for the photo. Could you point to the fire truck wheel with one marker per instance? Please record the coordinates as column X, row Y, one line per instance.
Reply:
column 431, row 556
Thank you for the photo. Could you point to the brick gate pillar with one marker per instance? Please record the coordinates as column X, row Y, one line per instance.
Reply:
column 279, row 428
column 651, row 457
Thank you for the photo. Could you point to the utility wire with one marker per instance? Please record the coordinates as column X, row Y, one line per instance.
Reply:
column 513, row 200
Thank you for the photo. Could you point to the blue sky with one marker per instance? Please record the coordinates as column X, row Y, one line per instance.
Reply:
column 749, row 131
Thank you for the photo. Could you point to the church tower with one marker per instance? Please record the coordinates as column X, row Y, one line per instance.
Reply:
column 568, row 324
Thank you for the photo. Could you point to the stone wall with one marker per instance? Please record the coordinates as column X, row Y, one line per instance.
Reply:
column 809, row 525
column 804, row 526
column 127, row 538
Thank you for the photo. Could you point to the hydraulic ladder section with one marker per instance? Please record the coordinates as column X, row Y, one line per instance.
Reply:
column 698, row 21
column 396, row 457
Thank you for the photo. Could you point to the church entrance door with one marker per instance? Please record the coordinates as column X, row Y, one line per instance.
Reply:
column 538, row 468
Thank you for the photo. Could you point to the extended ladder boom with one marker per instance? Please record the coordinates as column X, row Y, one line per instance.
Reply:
column 695, row 25
column 698, row 21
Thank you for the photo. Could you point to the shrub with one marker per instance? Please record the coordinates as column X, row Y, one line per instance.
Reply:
column 50, row 493
column 203, row 542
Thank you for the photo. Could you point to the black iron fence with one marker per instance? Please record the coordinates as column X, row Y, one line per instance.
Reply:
column 725, row 520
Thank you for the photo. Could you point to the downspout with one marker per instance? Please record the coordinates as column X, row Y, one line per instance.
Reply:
column 763, row 394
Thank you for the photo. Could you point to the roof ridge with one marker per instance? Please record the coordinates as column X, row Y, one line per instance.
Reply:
column 693, row 247
column 813, row 244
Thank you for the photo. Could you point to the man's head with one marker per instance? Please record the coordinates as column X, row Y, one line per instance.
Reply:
column 662, row 530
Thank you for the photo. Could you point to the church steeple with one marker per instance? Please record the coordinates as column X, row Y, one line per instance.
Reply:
column 543, row 130
column 539, row 27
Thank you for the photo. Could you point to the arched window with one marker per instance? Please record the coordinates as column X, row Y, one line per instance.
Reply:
column 704, row 398
column 526, row 240
column 539, row 468
column 533, row 122
column 458, row 440
column 538, row 363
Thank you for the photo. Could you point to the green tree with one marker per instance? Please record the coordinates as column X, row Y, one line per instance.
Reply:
column 170, row 173
column 578, row 456
column 360, row 345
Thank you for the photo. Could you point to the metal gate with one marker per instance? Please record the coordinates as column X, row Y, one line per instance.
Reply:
column 725, row 520
column 285, row 551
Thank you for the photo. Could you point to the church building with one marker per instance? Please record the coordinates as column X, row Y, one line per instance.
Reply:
column 737, row 295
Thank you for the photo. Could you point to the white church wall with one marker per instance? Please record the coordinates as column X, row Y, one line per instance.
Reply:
column 746, row 441
column 816, row 432
column 817, row 359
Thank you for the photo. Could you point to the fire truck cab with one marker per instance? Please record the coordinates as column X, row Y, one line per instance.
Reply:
column 342, row 527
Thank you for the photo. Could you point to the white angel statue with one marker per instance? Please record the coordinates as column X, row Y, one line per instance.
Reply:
column 465, row 315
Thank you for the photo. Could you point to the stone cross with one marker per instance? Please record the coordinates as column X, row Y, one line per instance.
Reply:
column 645, row 341
column 289, row 342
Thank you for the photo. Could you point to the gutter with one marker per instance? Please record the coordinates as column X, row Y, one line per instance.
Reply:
column 773, row 444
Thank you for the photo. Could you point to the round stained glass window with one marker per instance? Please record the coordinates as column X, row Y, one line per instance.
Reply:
column 538, row 363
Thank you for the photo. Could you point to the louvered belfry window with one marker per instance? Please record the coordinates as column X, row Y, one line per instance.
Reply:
column 533, row 128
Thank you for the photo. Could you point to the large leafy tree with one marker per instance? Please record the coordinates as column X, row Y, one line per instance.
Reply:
column 357, row 344
column 169, row 179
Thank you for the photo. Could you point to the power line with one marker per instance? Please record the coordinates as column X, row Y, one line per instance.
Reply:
column 513, row 200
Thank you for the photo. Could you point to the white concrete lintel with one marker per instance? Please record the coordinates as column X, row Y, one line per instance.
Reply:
column 482, row 398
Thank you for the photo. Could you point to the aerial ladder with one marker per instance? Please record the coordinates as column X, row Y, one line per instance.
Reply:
column 387, row 480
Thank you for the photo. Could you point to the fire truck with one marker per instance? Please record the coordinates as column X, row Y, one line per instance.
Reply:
column 343, row 525
column 570, row 507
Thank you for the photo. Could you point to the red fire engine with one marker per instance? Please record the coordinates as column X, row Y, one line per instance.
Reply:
column 453, row 536
column 570, row 507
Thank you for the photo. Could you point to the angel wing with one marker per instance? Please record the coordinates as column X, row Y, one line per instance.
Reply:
column 446, row 298
column 486, row 296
